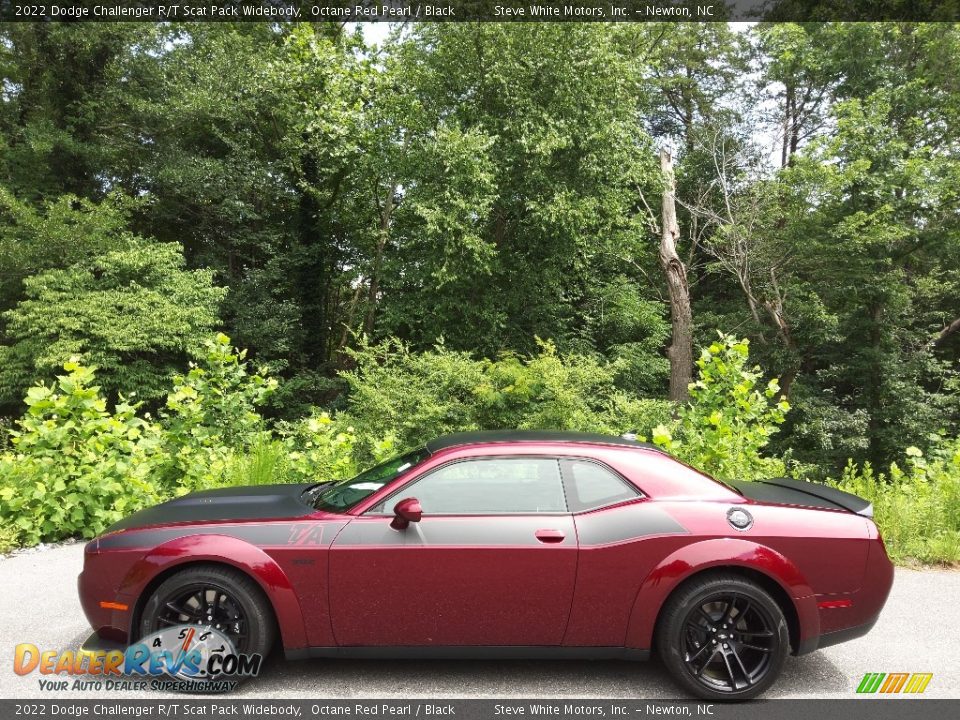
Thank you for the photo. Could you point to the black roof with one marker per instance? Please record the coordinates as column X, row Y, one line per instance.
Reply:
column 558, row 436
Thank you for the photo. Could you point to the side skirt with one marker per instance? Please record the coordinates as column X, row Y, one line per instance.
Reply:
column 470, row 652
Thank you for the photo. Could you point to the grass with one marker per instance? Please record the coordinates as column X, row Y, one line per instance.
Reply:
column 263, row 464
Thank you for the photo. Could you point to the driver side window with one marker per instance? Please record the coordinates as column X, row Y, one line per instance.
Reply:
column 485, row 486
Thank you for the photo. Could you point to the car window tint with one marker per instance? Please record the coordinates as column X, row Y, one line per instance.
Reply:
column 593, row 486
column 492, row 485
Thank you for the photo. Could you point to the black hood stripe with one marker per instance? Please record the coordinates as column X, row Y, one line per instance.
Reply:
column 258, row 502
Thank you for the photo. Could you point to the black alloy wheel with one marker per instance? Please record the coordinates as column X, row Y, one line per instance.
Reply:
column 217, row 597
column 205, row 604
column 723, row 638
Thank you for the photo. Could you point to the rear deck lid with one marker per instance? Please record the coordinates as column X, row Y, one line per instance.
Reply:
column 787, row 491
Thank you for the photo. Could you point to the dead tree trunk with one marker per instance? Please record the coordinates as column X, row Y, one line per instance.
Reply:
column 675, row 272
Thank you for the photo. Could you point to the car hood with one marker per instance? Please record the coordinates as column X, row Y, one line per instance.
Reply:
column 256, row 502
column 787, row 491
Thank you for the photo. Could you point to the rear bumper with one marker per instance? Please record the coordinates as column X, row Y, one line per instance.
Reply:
column 840, row 636
column 836, row 637
column 840, row 624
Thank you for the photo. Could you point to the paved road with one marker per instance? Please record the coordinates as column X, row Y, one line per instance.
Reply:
column 919, row 631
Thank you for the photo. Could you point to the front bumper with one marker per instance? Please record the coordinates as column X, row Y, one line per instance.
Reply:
column 98, row 584
column 97, row 643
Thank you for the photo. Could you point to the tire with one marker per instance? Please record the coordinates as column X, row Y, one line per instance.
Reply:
column 735, row 624
column 242, row 612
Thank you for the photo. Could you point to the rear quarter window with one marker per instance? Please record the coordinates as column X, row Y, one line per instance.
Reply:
column 591, row 485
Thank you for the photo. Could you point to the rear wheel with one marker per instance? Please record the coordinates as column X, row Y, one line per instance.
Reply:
column 214, row 596
column 723, row 638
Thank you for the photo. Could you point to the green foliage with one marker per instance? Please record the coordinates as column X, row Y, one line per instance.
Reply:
column 320, row 448
column 134, row 312
column 415, row 396
column 519, row 199
column 916, row 507
column 263, row 462
column 212, row 413
column 66, row 106
column 9, row 538
column 58, row 233
column 76, row 467
column 481, row 186
column 730, row 418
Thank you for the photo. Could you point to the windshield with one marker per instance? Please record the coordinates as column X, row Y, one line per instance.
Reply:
column 344, row 495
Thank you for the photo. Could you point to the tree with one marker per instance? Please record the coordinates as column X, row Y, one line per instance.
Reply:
column 134, row 312
column 519, row 212
column 691, row 71
column 800, row 66
column 65, row 110
column 55, row 233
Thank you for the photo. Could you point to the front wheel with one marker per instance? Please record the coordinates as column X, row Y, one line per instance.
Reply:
column 217, row 597
column 723, row 638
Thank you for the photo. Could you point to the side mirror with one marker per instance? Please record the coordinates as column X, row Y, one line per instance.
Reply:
column 405, row 512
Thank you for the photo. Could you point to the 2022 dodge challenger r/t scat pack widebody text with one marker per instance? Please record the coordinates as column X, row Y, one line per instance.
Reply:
column 507, row 544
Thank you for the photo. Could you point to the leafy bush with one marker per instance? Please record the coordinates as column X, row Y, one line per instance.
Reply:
column 76, row 467
column 9, row 538
column 73, row 467
column 210, row 414
column 321, row 448
column 417, row 396
column 730, row 418
column 318, row 448
column 135, row 312
column 917, row 507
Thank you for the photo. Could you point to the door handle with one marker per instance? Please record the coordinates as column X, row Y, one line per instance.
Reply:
column 549, row 536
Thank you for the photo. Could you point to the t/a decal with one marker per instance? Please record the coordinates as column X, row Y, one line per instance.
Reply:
column 311, row 534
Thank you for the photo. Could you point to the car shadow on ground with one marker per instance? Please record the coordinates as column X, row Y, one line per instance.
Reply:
column 811, row 675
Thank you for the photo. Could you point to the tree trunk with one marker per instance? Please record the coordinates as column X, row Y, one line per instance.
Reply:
column 675, row 272
column 386, row 212
column 348, row 318
column 947, row 331
column 790, row 125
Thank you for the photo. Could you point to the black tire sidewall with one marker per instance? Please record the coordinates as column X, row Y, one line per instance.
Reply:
column 671, row 627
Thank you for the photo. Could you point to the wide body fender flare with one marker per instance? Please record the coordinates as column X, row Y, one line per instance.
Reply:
column 226, row 550
column 716, row 553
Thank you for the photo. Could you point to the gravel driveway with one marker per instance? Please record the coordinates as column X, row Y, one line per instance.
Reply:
column 917, row 632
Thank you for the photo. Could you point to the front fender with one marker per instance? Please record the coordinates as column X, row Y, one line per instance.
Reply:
column 719, row 552
column 229, row 551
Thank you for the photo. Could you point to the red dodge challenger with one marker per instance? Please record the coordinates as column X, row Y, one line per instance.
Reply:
column 510, row 545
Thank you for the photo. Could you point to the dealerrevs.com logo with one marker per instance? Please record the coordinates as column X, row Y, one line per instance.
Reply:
column 183, row 658
column 889, row 683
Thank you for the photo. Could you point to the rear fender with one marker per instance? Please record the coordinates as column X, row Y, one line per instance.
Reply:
column 718, row 553
column 226, row 550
